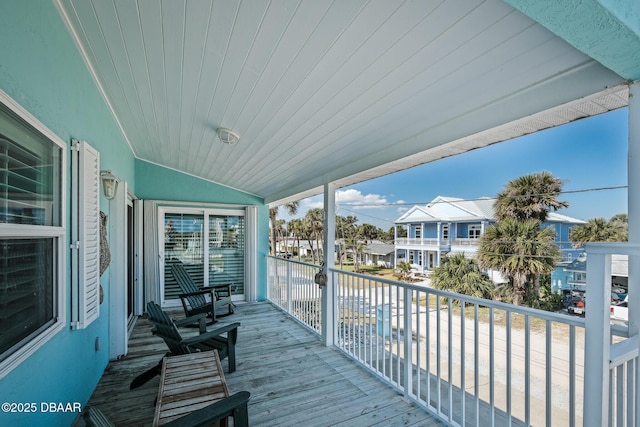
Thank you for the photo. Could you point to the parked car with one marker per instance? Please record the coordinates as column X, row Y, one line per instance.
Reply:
column 577, row 303
column 286, row 255
column 578, row 308
column 620, row 311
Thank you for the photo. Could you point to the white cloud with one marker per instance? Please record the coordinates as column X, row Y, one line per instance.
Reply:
column 349, row 199
column 354, row 199
column 311, row 203
column 402, row 207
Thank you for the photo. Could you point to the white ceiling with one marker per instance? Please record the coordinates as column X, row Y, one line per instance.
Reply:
column 325, row 90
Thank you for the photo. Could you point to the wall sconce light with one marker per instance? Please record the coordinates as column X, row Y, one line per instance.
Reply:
column 109, row 184
column 227, row 136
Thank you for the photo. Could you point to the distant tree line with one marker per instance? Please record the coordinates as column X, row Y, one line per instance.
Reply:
column 353, row 237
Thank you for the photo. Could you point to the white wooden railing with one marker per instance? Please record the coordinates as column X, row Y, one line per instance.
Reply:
column 495, row 365
column 472, row 361
column 291, row 287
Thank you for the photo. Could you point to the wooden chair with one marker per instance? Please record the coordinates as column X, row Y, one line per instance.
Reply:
column 208, row 300
column 233, row 406
column 167, row 329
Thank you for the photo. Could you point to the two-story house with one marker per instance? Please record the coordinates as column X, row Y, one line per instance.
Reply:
column 452, row 225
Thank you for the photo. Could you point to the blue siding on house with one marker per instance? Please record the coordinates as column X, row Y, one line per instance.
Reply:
column 431, row 231
column 41, row 69
column 462, row 230
column 463, row 221
column 414, row 230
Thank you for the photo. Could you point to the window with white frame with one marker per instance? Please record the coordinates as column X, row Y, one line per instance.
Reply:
column 32, row 161
column 445, row 231
column 474, row 231
column 417, row 231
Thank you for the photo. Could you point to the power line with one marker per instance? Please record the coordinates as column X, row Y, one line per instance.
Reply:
column 585, row 190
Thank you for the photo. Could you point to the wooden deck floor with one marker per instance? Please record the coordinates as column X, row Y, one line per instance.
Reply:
column 293, row 379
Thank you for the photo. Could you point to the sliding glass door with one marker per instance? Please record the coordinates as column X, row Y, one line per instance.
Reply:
column 227, row 252
column 210, row 243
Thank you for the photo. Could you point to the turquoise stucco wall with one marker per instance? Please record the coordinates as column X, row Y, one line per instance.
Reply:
column 606, row 30
column 40, row 68
column 154, row 182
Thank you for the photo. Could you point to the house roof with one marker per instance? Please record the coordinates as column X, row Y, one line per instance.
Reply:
column 341, row 92
column 451, row 209
column 377, row 247
column 619, row 265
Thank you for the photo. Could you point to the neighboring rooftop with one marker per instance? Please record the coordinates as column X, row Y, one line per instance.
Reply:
column 454, row 209
column 619, row 265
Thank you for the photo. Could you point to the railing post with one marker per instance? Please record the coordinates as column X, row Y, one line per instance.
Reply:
column 329, row 327
column 408, row 341
column 597, row 338
column 289, row 288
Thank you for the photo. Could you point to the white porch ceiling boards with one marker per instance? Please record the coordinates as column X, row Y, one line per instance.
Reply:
column 325, row 90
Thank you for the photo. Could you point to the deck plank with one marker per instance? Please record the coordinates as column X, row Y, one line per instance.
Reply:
column 293, row 379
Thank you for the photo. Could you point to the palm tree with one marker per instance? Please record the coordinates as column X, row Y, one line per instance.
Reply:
column 600, row 230
column 404, row 268
column 369, row 232
column 296, row 227
column 346, row 233
column 457, row 273
column 314, row 227
column 292, row 209
column 357, row 247
column 529, row 197
column 281, row 231
column 619, row 225
column 518, row 249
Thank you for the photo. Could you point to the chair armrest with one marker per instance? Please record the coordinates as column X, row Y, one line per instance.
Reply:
column 202, row 292
column 200, row 318
column 211, row 334
column 93, row 417
column 234, row 405
column 221, row 289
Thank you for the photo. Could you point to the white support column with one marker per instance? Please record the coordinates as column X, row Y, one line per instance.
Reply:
column 633, row 196
column 328, row 292
column 118, row 336
column 597, row 337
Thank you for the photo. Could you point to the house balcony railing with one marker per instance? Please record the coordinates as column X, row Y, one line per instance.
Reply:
column 465, row 242
column 472, row 361
column 437, row 243
column 404, row 241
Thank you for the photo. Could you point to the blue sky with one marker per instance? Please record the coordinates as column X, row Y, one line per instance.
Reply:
column 589, row 154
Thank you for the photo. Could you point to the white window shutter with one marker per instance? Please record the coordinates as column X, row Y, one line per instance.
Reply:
column 85, row 235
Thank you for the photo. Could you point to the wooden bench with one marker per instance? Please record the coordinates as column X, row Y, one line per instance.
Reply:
column 190, row 384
